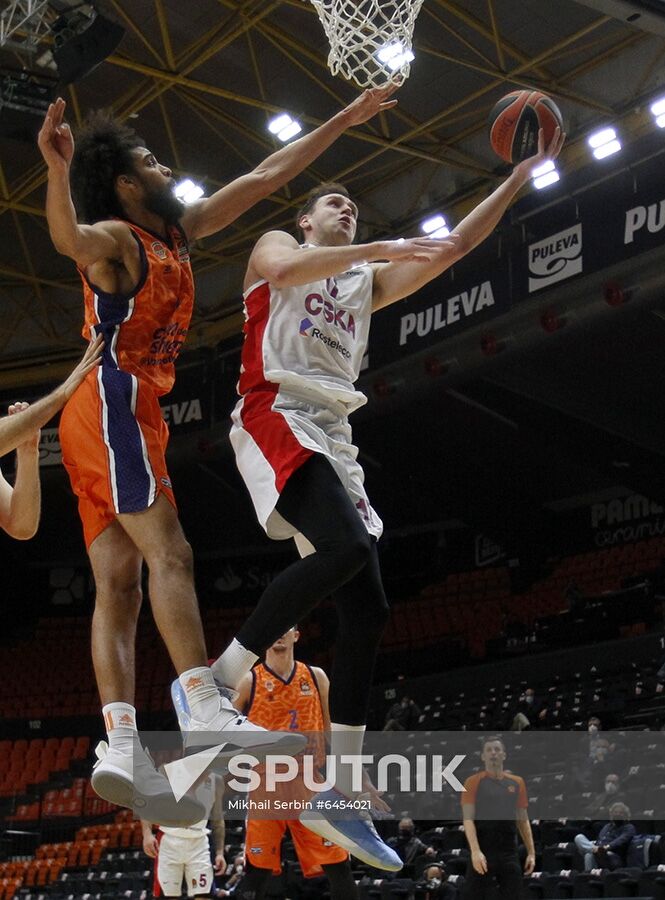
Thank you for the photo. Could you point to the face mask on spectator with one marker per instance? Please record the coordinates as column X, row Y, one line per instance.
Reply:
column 611, row 787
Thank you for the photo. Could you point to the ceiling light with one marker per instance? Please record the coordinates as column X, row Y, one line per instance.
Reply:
column 394, row 56
column 284, row 127
column 545, row 175
column 187, row 191
column 658, row 107
column 658, row 111
column 604, row 143
column 435, row 226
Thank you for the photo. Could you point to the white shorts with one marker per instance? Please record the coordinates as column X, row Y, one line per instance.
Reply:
column 187, row 858
column 274, row 433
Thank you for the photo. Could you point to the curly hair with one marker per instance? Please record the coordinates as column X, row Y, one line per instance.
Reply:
column 103, row 151
column 322, row 190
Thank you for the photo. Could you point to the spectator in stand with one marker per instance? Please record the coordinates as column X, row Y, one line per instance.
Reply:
column 553, row 715
column 402, row 716
column 527, row 711
column 609, row 850
column 434, row 884
column 611, row 794
column 232, row 877
column 408, row 845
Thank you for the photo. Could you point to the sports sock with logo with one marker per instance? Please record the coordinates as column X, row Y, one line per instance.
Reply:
column 202, row 694
column 120, row 721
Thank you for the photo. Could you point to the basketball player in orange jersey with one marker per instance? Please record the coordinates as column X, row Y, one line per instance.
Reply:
column 132, row 251
column 282, row 694
column 19, row 430
column 308, row 312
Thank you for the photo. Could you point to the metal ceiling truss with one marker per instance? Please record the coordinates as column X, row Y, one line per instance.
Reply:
column 419, row 144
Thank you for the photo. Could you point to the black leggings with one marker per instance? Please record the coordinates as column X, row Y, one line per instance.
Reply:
column 340, row 877
column 346, row 566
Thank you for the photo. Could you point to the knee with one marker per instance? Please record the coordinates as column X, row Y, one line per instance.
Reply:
column 174, row 555
column 119, row 591
column 357, row 549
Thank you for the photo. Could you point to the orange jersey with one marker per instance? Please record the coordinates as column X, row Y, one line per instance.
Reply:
column 293, row 704
column 144, row 331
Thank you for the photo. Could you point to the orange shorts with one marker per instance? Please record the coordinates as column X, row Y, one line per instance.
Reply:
column 263, row 843
column 113, row 440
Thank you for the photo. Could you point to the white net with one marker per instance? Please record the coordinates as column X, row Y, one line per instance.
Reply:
column 370, row 40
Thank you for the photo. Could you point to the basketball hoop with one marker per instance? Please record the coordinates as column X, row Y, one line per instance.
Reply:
column 370, row 40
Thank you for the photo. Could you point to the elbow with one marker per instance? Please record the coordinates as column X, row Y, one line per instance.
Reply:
column 278, row 273
column 21, row 532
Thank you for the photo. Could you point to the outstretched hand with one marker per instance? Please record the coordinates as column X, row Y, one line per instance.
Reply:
column 33, row 442
column 55, row 138
column 369, row 103
column 89, row 361
column 421, row 249
column 527, row 166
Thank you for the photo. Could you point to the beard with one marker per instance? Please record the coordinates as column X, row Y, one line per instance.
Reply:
column 164, row 203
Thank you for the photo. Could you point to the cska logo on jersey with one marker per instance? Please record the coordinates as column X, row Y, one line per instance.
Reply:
column 305, row 686
column 341, row 318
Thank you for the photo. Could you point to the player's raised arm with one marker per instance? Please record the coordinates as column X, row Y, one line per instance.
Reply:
column 83, row 243
column 278, row 258
column 398, row 280
column 21, row 426
column 211, row 214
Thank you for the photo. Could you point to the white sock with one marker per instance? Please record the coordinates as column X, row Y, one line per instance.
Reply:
column 233, row 664
column 202, row 694
column 345, row 740
column 120, row 721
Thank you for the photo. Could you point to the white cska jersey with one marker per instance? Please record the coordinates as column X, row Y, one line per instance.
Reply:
column 309, row 339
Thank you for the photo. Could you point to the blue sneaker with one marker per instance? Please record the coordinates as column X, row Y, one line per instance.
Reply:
column 355, row 834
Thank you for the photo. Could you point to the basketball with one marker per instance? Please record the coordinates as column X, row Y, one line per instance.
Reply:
column 515, row 120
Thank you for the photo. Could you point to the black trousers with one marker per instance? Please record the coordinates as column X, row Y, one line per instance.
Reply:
column 503, row 872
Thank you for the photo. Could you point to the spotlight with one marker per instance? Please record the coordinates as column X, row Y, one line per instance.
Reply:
column 489, row 344
column 82, row 41
column 614, row 294
column 604, row 143
column 435, row 226
column 550, row 321
column 394, row 56
column 284, row 127
column 187, row 191
column 435, row 367
column 658, row 112
column 383, row 388
column 545, row 175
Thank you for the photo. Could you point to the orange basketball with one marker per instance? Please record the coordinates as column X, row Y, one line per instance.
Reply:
column 515, row 120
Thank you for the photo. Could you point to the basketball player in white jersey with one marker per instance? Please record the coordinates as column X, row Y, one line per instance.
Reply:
column 20, row 504
column 185, row 852
column 307, row 323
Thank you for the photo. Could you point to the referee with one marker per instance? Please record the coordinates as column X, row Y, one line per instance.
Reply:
column 494, row 809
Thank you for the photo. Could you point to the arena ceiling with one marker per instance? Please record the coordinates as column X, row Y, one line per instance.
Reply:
column 200, row 80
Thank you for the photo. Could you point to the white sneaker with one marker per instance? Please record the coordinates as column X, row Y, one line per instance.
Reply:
column 131, row 780
column 233, row 730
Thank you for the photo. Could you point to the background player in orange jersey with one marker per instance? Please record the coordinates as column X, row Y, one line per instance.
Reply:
column 131, row 249
column 281, row 693
column 19, row 430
